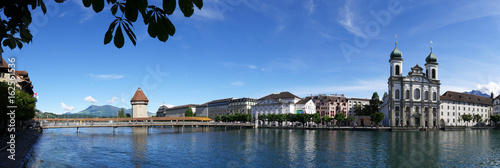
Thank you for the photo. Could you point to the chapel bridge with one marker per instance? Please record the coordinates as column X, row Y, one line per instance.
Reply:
column 136, row 122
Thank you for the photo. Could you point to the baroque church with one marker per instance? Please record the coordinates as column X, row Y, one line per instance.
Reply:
column 413, row 100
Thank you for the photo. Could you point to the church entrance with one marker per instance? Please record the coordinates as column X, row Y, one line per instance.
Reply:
column 417, row 122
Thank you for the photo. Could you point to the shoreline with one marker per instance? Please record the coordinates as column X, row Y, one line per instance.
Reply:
column 24, row 146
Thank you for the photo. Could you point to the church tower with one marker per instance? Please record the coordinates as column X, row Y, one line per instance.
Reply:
column 139, row 104
column 431, row 66
column 396, row 62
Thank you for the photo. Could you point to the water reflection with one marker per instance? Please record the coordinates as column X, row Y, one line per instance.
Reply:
column 219, row 147
column 139, row 145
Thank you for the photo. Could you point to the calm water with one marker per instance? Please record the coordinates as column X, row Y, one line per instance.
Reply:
column 197, row 147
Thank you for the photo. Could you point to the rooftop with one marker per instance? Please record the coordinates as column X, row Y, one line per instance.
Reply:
column 280, row 95
column 139, row 96
column 465, row 97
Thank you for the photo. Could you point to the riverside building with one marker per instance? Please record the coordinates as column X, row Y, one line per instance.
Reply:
column 330, row 105
column 177, row 111
column 283, row 103
column 455, row 104
column 413, row 99
column 496, row 105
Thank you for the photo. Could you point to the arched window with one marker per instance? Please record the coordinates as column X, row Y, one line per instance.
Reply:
column 407, row 94
column 416, row 94
column 397, row 94
column 434, row 96
column 397, row 69
column 433, row 73
column 426, row 95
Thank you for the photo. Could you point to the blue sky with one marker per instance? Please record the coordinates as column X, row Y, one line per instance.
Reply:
column 254, row 48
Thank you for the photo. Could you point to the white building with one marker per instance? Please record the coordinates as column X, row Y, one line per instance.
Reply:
column 352, row 104
column 413, row 99
column 139, row 104
column 305, row 106
column 455, row 104
column 282, row 103
column 496, row 105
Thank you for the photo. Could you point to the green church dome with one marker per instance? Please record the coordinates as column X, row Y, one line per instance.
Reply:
column 396, row 54
column 431, row 58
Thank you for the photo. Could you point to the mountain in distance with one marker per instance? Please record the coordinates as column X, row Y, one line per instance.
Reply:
column 104, row 110
column 479, row 93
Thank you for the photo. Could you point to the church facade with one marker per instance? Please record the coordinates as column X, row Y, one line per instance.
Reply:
column 413, row 100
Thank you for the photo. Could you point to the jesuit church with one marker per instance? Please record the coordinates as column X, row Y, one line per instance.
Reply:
column 412, row 100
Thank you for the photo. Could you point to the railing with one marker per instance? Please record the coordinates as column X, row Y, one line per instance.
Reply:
column 114, row 124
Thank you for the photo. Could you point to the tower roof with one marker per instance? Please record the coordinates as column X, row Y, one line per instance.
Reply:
column 139, row 96
column 396, row 54
column 431, row 58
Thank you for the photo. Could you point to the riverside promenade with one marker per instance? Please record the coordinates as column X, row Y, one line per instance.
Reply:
column 25, row 140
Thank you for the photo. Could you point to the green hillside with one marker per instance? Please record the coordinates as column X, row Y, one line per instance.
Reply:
column 104, row 110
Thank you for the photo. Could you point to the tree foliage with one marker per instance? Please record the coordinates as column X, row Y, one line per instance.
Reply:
column 121, row 113
column 377, row 117
column 189, row 112
column 495, row 118
column 477, row 118
column 466, row 118
column 14, row 27
column 235, row 117
column 340, row 117
column 24, row 103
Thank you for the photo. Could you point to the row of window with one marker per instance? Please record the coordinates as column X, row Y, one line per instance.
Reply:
column 453, row 113
column 416, row 94
column 482, row 110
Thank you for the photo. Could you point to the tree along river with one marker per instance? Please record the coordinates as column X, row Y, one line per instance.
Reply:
column 234, row 147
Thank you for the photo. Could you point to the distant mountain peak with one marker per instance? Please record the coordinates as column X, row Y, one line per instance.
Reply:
column 479, row 93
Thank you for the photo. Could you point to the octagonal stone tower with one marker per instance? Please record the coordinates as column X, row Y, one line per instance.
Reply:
column 139, row 104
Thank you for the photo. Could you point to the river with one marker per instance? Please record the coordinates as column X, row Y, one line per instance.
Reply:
column 219, row 147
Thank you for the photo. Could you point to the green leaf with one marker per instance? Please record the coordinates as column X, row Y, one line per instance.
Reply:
column 198, row 3
column 186, row 7
column 44, row 9
column 98, row 5
column 87, row 3
column 130, row 33
column 108, row 36
column 170, row 27
column 152, row 29
column 19, row 44
column 131, row 13
column 169, row 6
column 162, row 30
column 10, row 42
column 119, row 40
column 145, row 16
column 114, row 8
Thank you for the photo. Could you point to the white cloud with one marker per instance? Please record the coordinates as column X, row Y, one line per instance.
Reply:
column 90, row 99
column 348, row 19
column 123, row 100
column 169, row 105
column 490, row 87
column 67, row 108
column 237, row 83
column 112, row 100
column 309, row 6
column 106, row 76
column 459, row 12
column 252, row 66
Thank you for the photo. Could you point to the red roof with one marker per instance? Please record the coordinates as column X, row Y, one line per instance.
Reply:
column 139, row 96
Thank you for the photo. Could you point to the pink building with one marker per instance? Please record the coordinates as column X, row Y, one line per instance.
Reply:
column 330, row 105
